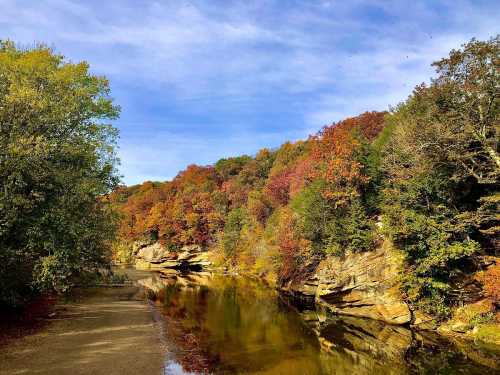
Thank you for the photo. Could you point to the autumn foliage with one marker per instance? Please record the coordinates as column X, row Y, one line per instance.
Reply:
column 243, row 204
column 425, row 176
column 491, row 282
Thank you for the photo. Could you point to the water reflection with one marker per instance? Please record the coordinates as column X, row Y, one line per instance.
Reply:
column 228, row 325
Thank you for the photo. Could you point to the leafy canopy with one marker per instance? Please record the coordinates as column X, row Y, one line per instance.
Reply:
column 56, row 160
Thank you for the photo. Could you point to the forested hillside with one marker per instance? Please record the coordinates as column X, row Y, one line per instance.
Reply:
column 424, row 175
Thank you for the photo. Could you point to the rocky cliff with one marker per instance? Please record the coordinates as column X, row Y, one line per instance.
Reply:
column 152, row 255
column 359, row 284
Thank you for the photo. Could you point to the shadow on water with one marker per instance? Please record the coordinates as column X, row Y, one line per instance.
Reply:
column 222, row 324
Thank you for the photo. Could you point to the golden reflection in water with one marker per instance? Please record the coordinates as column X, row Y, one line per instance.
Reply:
column 221, row 324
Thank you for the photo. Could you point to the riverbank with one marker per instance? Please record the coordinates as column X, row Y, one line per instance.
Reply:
column 209, row 322
column 17, row 323
column 101, row 330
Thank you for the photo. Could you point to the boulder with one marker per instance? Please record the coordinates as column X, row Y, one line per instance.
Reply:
column 139, row 244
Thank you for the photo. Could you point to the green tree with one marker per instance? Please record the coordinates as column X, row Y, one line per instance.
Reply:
column 465, row 101
column 442, row 173
column 358, row 228
column 234, row 223
column 229, row 167
column 315, row 213
column 331, row 230
column 57, row 161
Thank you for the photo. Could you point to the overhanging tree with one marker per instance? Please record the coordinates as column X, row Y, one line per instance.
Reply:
column 57, row 159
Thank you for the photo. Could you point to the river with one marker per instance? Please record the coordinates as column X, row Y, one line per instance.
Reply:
column 177, row 323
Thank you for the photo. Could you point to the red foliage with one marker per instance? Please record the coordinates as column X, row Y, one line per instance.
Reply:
column 301, row 175
column 369, row 123
column 192, row 207
column 278, row 187
column 292, row 247
column 235, row 192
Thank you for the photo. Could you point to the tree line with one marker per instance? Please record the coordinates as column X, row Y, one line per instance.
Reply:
column 424, row 175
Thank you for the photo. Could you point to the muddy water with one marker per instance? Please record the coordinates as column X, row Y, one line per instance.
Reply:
column 207, row 323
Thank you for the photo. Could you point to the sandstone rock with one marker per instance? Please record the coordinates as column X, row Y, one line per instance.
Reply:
column 423, row 321
column 360, row 284
column 153, row 256
column 364, row 284
column 142, row 265
column 459, row 327
column 139, row 244
column 154, row 253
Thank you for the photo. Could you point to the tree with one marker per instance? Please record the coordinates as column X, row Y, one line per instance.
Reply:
column 57, row 161
column 227, row 168
column 465, row 96
column 340, row 152
column 442, row 175
column 234, row 223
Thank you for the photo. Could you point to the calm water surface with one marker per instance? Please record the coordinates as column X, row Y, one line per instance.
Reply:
column 231, row 325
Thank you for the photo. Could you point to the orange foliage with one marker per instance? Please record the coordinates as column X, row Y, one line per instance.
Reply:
column 192, row 208
column 491, row 282
column 195, row 175
column 336, row 150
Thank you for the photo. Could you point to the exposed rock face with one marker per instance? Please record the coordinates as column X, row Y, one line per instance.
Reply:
column 154, row 253
column 155, row 256
column 360, row 284
column 139, row 244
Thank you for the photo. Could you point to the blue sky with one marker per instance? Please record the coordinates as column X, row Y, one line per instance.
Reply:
column 201, row 80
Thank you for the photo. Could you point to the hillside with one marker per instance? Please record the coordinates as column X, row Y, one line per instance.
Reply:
column 422, row 178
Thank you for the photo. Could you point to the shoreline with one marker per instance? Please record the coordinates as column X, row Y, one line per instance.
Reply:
column 99, row 330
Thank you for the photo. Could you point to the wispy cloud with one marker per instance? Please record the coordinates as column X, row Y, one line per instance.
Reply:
column 198, row 80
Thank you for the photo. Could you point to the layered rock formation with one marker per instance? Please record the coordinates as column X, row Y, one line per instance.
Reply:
column 152, row 255
column 359, row 284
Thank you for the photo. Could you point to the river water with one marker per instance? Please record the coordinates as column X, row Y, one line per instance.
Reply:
column 231, row 325
column 200, row 323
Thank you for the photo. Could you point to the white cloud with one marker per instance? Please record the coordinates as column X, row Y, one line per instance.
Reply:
column 328, row 60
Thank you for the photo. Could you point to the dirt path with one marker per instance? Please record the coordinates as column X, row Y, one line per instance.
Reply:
column 106, row 331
